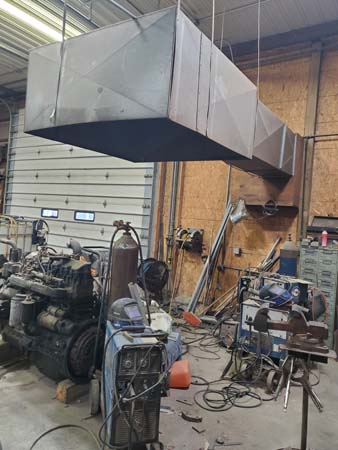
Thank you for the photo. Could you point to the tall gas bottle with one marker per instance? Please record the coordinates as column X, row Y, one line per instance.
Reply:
column 123, row 267
column 289, row 253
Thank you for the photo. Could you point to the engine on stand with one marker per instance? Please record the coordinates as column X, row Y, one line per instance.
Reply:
column 49, row 310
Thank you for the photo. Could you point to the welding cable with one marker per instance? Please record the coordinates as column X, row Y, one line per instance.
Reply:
column 122, row 399
column 146, row 294
column 223, row 399
column 103, row 297
column 203, row 381
column 203, row 347
column 215, row 354
column 60, row 427
column 216, row 357
column 141, row 394
column 120, row 330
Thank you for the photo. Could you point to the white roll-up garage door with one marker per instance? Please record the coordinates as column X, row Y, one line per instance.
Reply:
column 47, row 174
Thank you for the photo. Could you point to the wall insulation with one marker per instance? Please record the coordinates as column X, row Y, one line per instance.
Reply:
column 47, row 174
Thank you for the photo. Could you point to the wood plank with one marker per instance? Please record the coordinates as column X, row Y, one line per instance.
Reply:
column 68, row 392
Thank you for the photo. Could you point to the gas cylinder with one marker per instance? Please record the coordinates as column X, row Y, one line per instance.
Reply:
column 124, row 262
column 325, row 236
column 289, row 253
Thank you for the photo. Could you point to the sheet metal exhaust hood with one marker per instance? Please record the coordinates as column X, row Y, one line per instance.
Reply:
column 154, row 89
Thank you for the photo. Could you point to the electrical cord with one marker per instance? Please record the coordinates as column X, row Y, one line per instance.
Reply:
column 103, row 298
column 60, row 427
column 202, row 346
column 223, row 399
column 146, row 294
column 125, row 392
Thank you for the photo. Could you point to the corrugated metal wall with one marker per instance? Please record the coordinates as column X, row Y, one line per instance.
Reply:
column 47, row 174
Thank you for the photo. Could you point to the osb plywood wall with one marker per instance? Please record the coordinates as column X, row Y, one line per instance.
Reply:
column 203, row 186
column 324, row 196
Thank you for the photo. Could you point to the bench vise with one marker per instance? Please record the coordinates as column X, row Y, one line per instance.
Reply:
column 305, row 335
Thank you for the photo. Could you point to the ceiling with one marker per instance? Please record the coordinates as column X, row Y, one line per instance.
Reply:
column 18, row 36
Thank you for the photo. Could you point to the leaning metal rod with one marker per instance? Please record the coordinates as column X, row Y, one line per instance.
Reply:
column 288, row 386
column 305, row 413
column 202, row 278
column 9, row 144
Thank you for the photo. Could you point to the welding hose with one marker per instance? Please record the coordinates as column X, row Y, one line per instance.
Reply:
column 146, row 295
column 60, row 427
column 103, row 299
column 117, row 404
column 107, row 281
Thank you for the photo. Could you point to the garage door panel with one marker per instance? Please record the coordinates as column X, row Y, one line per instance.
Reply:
column 48, row 174
column 67, row 162
column 76, row 157
column 113, row 205
column 103, row 220
column 76, row 189
column 102, row 177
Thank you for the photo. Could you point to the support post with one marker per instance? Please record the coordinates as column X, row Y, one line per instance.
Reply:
column 310, row 129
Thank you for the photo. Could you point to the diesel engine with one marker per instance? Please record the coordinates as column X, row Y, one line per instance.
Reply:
column 49, row 310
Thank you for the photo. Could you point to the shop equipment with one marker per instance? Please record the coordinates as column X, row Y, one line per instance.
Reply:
column 49, row 310
column 289, row 255
column 319, row 266
column 160, row 90
column 305, row 344
column 190, row 239
column 135, row 374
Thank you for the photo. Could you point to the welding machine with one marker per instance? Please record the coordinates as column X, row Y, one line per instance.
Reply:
column 282, row 289
column 135, row 372
column 263, row 343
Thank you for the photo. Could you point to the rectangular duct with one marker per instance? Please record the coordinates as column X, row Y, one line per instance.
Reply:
column 154, row 89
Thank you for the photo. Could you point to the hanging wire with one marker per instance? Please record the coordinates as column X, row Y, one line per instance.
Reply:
column 224, row 41
column 258, row 67
column 213, row 23
column 258, row 47
column 64, row 20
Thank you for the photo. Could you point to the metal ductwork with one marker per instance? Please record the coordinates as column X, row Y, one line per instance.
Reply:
column 154, row 89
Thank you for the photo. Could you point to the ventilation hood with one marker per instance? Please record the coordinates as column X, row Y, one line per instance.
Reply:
column 154, row 89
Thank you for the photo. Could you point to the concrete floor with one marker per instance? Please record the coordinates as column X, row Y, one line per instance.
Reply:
column 28, row 408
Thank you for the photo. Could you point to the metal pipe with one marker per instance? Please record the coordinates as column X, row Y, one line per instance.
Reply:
column 316, row 136
column 123, row 9
column 305, row 413
column 211, row 258
column 8, row 150
column 172, row 217
column 173, row 202
column 9, row 242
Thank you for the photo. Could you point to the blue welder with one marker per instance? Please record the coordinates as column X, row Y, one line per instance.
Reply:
column 135, row 370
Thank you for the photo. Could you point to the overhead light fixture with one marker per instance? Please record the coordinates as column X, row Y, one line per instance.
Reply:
column 30, row 20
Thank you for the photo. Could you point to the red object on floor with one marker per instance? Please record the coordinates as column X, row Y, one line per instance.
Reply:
column 180, row 375
column 192, row 319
